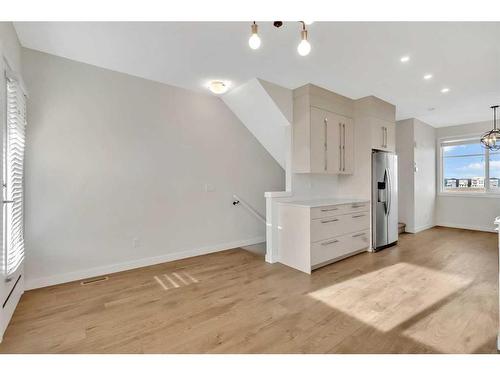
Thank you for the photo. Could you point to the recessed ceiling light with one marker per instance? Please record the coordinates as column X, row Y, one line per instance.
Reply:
column 445, row 90
column 405, row 59
column 427, row 77
column 218, row 87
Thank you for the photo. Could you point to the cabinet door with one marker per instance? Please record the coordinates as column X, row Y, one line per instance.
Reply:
column 347, row 142
column 383, row 135
column 378, row 135
column 390, row 137
column 319, row 130
column 334, row 145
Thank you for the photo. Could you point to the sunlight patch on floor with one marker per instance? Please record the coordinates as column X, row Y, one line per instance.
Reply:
column 389, row 296
column 461, row 325
column 175, row 280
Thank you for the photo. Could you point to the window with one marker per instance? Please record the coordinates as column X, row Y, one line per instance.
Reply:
column 466, row 167
column 13, row 171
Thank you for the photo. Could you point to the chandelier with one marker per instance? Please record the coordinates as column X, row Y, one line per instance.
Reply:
column 491, row 139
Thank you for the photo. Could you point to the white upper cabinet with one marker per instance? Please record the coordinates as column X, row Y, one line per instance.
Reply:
column 323, row 140
column 383, row 135
column 378, row 118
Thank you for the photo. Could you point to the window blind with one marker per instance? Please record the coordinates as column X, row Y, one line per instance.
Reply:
column 13, row 176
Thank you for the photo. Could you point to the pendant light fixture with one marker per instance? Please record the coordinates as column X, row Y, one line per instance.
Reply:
column 491, row 139
column 254, row 41
column 304, row 47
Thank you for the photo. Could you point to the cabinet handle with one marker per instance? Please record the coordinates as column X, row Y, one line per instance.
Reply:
column 356, row 216
column 340, row 146
column 357, row 205
column 343, row 148
column 326, row 143
column 328, row 209
column 329, row 242
column 328, row 221
column 358, row 235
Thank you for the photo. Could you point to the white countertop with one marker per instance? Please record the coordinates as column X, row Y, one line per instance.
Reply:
column 322, row 202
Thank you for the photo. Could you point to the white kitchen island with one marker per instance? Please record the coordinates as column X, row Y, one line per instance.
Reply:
column 314, row 233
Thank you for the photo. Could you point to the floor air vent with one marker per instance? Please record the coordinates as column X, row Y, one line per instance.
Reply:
column 94, row 280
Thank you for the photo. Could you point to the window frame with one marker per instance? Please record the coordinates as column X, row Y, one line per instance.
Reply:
column 488, row 192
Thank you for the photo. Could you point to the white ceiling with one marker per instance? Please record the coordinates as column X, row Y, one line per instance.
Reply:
column 353, row 59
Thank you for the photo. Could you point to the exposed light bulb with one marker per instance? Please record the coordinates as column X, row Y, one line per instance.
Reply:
column 254, row 41
column 304, row 47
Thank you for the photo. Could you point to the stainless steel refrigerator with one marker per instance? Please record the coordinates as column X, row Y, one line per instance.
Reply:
column 384, row 199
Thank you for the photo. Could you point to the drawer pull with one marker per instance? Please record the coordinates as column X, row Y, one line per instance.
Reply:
column 328, row 209
column 357, row 205
column 329, row 242
column 359, row 234
column 356, row 216
column 328, row 221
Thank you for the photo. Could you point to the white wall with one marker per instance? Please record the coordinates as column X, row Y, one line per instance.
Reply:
column 116, row 170
column 10, row 51
column 9, row 46
column 405, row 143
column 425, row 176
column 416, row 147
column 470, row 212
column 257, row 110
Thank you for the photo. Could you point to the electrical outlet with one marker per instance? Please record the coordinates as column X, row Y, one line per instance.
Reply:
column 136, row 242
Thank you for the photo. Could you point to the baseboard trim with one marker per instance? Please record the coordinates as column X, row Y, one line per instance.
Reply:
column 470, row 227
column 424, row 227
column 144, row 262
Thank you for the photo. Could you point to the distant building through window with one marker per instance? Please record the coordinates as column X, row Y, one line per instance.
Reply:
column 467, row 167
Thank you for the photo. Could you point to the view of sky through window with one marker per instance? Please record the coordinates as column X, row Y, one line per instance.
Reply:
column 465, row 167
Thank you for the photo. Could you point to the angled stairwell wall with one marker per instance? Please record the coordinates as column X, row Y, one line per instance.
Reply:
column 266, row 110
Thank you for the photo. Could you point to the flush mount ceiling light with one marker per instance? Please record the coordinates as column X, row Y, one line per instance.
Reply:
column 218, row 87
column 404, row 59
column 445, row 90
column 491, row 139
column 303, row 48
column 254, row 41
column 427, row 77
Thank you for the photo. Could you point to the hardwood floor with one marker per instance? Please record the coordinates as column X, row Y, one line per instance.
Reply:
column 436, row 292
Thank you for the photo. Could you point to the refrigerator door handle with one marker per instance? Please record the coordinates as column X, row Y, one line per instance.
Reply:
column 389, row 191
